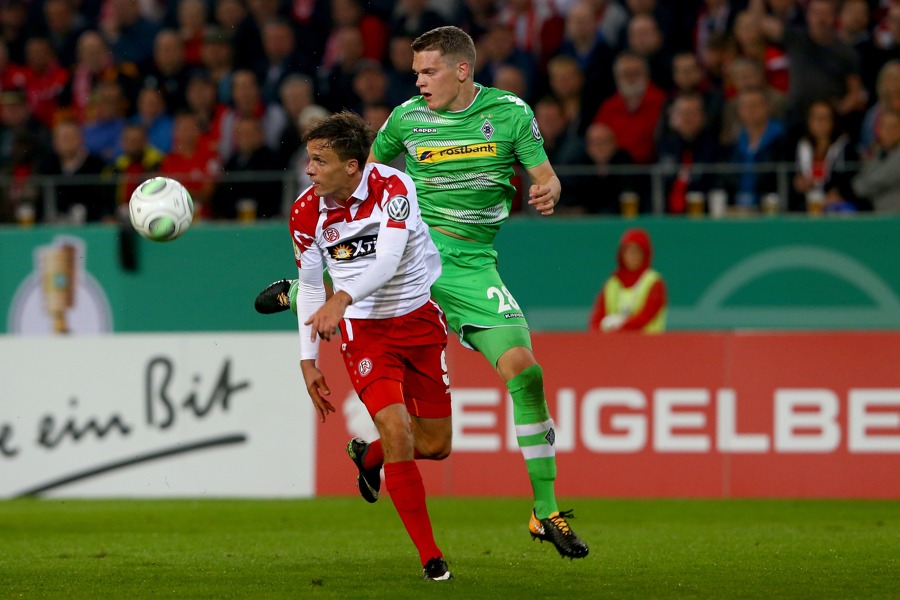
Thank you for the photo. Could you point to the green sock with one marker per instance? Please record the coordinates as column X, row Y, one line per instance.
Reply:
column 536, row 437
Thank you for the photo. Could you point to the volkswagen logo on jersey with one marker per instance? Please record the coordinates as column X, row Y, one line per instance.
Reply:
column 365, row 367
column 398, row 208
column 355, row 248
column 535, row 130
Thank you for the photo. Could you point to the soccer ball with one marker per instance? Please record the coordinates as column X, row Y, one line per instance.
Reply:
column 161, row 209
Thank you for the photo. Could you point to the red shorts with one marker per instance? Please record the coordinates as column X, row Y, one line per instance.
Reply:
column 410, row 349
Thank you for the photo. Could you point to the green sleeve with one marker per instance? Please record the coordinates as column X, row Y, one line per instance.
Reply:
column 388, row 144
column 529, row 145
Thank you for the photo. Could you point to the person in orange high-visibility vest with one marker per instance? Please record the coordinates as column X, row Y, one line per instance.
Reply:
column 634, row 296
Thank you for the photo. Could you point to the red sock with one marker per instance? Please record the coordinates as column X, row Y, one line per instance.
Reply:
column 375, row 455
column 404, row 482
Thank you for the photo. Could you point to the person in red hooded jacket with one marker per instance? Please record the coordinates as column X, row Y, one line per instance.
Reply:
column 634, row 296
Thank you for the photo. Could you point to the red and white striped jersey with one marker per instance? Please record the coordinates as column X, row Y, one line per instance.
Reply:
column 345, row 239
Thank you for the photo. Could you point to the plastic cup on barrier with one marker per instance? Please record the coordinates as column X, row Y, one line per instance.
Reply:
column 246, row 210
column 629, row 204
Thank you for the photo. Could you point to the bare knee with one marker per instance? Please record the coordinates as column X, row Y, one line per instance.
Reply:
column 434, row 449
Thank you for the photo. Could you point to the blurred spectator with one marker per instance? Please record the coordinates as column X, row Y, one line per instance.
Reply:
column 855, row 31
column 45, row 79
column 878, row 180
column 611, row 19
column 151, row 114
column 498, row 47
column 247, row 101
column 561, row 141
column 585, row 42
column 217, row 55
column 309, row 116
column 401, row 79
column 634, row 297
column 714, row 19
column 376, row 115
column 63, row 27
column 688, row 77
column 168, row 72
column 747, row 74
column 194, row 165
column 789, row 13
column 16, row 120
column 138, row 161
column 247, row 36
column 760, row 141
column 567, row 84
column 13, row 29
column 106, row 119
column 297, row 92
column 412, row 18
column 634, row 110
column 228, row 16
column 95, row 63
column 645, row 40
column 687, row 143
column 312, row 22
column 335, row 82
column 822, row 67
column 20, row 191
column 12, row 76
column 201, row 100
column 254, row 159
column 369, row 86
column 887, row 98
column 192, row 17
column 595, row 187
column 281, row 59
column 511, row 79
column 824, row 157
column 537, row 27
column 129, row 34
column 373, row 32
column 666, row 18
column 750, row 42
column 80, row 196
column 475, row 16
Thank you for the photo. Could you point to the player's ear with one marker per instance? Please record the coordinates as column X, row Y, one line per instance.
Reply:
column 463, row 70
column 352, row 166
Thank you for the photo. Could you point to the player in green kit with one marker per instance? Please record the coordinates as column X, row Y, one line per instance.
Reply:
column 461, row 141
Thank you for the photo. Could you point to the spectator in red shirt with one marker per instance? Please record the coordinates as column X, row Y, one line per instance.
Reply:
column 191, row 163
column 633, row 111
column 191, row 24
column 45, row 79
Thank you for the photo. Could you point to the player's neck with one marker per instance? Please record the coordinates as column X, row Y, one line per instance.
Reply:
column 464, row 99
column 344, row 196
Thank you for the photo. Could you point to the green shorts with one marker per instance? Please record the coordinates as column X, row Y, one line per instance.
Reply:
column 470, row 291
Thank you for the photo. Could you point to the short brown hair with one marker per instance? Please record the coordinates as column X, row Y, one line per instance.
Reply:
column 449, row 41
column 345, row 133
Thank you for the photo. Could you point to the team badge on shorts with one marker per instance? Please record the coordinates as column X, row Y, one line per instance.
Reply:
column 365, row 367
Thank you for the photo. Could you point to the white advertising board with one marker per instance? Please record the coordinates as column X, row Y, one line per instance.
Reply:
column 155, row 415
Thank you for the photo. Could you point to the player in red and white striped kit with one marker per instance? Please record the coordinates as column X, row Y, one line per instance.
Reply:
column 363, row 223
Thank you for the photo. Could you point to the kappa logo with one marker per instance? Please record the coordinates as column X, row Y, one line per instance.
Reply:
column 398, row 208
column 425, row 130
column 365, row 367
column 428, row 154
column 331, row 234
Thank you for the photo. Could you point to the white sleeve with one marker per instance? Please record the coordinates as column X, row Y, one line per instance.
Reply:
column 388, row 252
column 310, row 296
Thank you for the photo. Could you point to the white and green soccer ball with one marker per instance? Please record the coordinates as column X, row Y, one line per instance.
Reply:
column 161, row 209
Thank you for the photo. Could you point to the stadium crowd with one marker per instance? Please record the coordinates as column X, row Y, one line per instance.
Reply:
column 217, row 94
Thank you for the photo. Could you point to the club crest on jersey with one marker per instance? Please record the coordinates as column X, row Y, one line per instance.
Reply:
column 428, row 154
column 353, row 249
column 364, row 367
column 331, row 234
column 398, row 208
column 487, row 130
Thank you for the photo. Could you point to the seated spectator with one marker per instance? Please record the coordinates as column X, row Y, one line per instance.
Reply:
column 16, row 120
column 247, row 101
column 824, row 159
column 611, row 20
column 192, row 17
column 747, row 74
column 511, row 79
column 854, row 30
column 281, row 59
column 45, row 79
column 335, row 81
column 585, row 42
column 217, row 56
column 201, row 100
column 537, row 27
column 750, row 42
column 168, row 72
column 646, row 40
column 14, row 29
column 878, row 181
column 596, row 186
column 105, row 121
column 191, row 163
column 689, row 78
column 373, row 32
column 715, row 19
column 138, row 162
column 760, row 141
column 412, row 18
column 370, row 84
column 64, row 26
column 151, row 113
column 688, row 143
column 20, row 192
column 634, row 297
column 129, row 34
column 297, row 92
column 887, row 98
column 498, row 47
column 254, row 159
column 566, row 81
column 561, row 140
column 401, row 79
column 80, row 196
column 633, row 111
column 246, row 37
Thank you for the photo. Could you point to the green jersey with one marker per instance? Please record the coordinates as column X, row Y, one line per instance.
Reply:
column 462, row 161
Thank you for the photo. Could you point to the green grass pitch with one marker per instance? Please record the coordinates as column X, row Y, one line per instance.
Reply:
column 345, row 548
